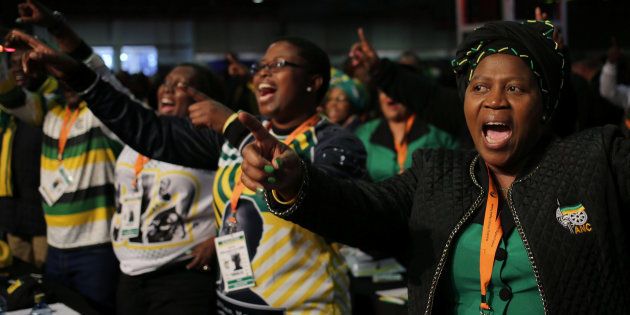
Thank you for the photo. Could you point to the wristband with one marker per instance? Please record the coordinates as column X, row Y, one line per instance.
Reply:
column 229, row 121
column 278, row 200
column 288, row 210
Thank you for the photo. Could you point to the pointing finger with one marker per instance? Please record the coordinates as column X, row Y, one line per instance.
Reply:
column 230, row 58
column 362, row 36
column 16, row 36
column 196, row 94
column 259, row 132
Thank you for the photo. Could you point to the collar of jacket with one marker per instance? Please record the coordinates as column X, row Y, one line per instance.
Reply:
column 479, row 176
column 383, row 135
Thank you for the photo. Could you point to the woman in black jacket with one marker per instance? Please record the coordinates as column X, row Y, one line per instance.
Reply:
column 525, row 224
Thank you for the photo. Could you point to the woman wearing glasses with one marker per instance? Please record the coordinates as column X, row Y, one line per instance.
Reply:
column 293, row 269
column 274, row 266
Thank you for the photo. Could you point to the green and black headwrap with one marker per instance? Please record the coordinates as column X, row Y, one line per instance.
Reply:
column 531, row 41
column 356, row 92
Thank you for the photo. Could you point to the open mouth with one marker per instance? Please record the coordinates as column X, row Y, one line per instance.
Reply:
column 392, row 103
column 266, row 92
column 166, row 104
column 19, row 78
column 496, row 134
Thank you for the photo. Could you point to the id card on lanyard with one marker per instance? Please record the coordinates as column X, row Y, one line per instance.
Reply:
column 231, row 249
column 61, row 179
column 132, row 202
column 490, row 237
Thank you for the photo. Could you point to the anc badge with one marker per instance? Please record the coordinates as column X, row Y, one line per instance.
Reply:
column 574, row 218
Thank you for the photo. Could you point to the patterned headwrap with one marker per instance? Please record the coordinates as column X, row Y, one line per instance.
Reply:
column 531, row 41
column 356, row 92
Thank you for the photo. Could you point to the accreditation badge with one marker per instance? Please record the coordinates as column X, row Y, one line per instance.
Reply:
column 52, row 190
column 131, row 205
column 234, row 263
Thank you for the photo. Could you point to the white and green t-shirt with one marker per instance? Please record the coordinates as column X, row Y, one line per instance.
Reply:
column 175, row 212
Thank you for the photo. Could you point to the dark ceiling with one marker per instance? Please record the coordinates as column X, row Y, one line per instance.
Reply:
column 436, row 12
column 281, row 8
column 591, row 22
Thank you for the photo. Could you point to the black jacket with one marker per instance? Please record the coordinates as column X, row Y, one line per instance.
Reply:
column 22, row 214
column 175, row 140
column 418, row 216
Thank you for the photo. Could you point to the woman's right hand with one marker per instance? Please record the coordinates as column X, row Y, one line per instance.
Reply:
column 362, row 54
column 614, row 52
column 33, row 12
column 57, row 63
column 269, row 163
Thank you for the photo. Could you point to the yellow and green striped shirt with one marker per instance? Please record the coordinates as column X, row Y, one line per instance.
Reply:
column 294, row 269
column 82, row 215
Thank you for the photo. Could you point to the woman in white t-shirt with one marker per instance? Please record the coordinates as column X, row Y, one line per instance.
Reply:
column 163, row 229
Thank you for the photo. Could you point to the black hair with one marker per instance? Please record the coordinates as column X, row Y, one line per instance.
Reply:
column 208, row 82
column 317, row 59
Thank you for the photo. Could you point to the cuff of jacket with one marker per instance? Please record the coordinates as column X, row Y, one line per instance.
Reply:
column 235, row 133
column 81, row 79
column 82, row 52
column 287, row 209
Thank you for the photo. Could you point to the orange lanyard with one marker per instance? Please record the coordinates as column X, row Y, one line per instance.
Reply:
column 490, row 237
column 238, row 189
column 68, row 121
column 402, row 147
column 141, row 160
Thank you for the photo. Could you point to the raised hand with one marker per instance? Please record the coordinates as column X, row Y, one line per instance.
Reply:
column 362, row 53
column 269, row 163
column 56, row 63
column 540, row 15
column 235, row 67
column 614, row 52
column 207, row 112
column 33, row 12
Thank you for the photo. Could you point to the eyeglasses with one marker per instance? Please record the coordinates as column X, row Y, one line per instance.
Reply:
column 273, row 66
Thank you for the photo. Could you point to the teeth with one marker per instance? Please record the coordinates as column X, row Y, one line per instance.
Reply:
column 495, row 124
column 265, row 86
column 167, row 101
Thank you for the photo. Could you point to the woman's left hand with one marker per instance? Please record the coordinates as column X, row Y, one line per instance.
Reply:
column 202, row 254
column 207, row 112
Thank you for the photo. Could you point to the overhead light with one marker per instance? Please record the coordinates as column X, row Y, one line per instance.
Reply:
column 258, row 1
